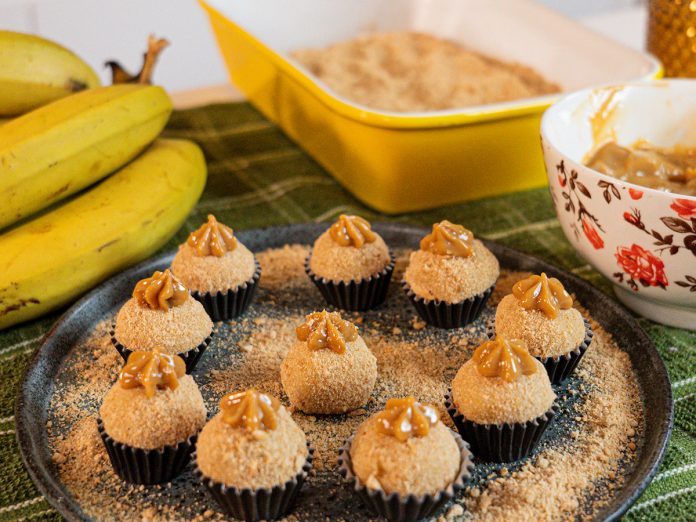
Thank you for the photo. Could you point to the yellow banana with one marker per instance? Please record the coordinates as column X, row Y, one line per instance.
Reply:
column 52, row 259
column 65, row 146
column 35, row 71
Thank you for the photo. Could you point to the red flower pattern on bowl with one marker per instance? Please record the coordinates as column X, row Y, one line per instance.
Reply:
column 641, row 266
column 635, row 193
column 684, row 207
column 591, row 234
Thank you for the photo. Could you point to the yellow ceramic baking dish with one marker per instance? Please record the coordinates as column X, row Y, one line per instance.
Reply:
column 399, row 162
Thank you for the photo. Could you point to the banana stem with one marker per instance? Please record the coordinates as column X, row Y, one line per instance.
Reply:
column 154, row 48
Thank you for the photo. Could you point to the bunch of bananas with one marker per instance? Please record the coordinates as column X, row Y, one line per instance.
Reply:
column 67, row 134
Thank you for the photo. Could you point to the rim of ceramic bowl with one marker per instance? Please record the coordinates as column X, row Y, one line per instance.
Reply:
column 553, row 112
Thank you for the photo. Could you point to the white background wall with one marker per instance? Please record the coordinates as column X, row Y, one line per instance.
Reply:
column 100, row 30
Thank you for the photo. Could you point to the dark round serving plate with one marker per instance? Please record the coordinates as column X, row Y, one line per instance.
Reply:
column 38, row 384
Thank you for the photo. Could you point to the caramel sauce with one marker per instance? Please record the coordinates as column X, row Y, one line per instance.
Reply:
column 212, row 239
column 602, row 121
column 546, row 294
column 161, row 291
column 406, row 418
column 326, row 330
column 672, row 169
column 352, row 231
column 449, row 239
column 504, row 358
column 152, row 370
column 250, row 410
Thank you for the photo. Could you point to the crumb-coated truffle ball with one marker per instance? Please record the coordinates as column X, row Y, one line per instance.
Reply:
column 257, row 459
column 493, row 400
column 167, row 418
column 214, row 274
column 452, row 279
column 417, row 466
column 544, row 337
column 177, row 330
column 348, row 263
column 324, row 382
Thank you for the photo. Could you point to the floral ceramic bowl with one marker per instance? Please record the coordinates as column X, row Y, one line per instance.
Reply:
column 643, row 240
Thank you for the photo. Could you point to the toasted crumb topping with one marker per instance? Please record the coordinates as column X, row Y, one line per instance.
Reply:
column 167, row 418
column 494, row 400
column 449, row 278
column 211, row 273
column 241, row 458
column 420, row 465
column 176, row 331
column 347, row 263
column 544, row 337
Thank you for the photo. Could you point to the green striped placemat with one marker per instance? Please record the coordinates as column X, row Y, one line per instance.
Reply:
column 257, row 177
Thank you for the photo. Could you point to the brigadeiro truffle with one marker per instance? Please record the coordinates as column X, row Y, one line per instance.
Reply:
column 253, row 457
column 351, row 265
column 540, row 312
column 329, row 369
column 501, row 401
column 150, row 418
column 450, row 278
column 404, row 462
column 220, row 271
column 161, row 314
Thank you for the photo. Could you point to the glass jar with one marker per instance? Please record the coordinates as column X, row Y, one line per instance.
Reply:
column 672, row 35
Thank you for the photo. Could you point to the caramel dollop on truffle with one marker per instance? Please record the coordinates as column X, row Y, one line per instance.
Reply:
column 546, row 294
column 504, row 358
column 161, row 291
column 405, row 418
column 352, row 231
column 324, row 329
column 449, row 239
column 152, row 370
column 251, row 410
column 212, row 239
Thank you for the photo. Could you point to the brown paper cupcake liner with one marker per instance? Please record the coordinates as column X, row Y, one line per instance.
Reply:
column 141, row 466
column 448, row 315
column 500, row 442
column 560, row 367
column 409, row 508
column 357, row 295
column 233, row 303
column 257, row 504
column 190, row 357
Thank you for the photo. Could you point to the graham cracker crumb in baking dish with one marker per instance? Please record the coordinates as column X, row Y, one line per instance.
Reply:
column 413, row 72
column 580, row 465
